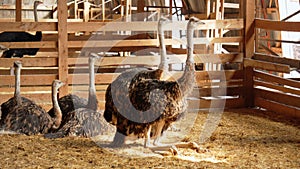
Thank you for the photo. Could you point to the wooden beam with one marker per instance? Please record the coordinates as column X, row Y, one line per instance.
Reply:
column 275, row 59
column 286, row 99
column 63, row 45
column 18, row 10
column 249, row 19
column 275, row 79
column 266, row 65
column 248, row 48
column 75, row 25
column 28, row 26
column 278, row 107
column 277, row 25
column 274, row 86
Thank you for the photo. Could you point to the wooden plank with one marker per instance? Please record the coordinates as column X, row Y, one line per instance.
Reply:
column 152, row 25
column 154, row 60
column 287, row 99
column 63, row 45
column 28, row 26
column 227, row 24
column 216, row 103
column 28, row 80
column 38, row 98
column 221, row 75
column 277, row 25
column 278, row 108
column 42, row 44
column 105, row 78
column 275, row 59
column 216, row 91
column 266, row 65
column 29, row 62
column 275, row 79
column 271, row 85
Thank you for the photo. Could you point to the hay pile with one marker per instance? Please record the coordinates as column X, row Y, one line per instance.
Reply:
column 244, row 138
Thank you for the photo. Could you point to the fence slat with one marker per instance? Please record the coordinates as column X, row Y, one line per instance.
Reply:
column 289, row 100
column 277, row 107
column 275, row 79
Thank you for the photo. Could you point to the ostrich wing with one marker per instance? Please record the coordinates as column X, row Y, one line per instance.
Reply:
column 82, row 122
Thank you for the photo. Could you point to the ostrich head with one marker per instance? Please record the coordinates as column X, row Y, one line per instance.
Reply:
column 194, row 22
column 36, row 3
column 57, row 84
column 93, row 57
column 163, row 20
column 18, row 64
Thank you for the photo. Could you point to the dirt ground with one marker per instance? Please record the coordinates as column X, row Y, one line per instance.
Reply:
column 244, row 138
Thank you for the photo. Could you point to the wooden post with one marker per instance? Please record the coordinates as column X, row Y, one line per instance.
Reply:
column 140, row 6
column 86, row 11
column 249, row 34
column 18, row 10
column 62, row 10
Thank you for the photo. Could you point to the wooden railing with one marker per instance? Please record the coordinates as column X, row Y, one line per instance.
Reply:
column 269, row 90
column 38, row 72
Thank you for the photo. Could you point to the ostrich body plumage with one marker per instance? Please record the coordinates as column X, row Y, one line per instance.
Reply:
column 148, row 106
column 85, row 121
column 22, row 115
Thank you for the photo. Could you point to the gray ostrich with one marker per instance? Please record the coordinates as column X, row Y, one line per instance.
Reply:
column 22, row 115
column 156, row 104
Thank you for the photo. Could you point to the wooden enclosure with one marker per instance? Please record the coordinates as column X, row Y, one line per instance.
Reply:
column 66, row 45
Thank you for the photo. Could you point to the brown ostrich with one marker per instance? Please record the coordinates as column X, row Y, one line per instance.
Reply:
column 22, row 115
column 155, row 104
column 86, row 121
column 117, row 93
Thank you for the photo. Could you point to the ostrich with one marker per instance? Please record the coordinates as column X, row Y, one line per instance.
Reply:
column 24, row 116
column 157, row 104
column 85, row 121
column 21, row 37
column 127, row 79
column 72, row 102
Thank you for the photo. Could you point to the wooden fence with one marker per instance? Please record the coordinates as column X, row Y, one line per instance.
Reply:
column 51, row 63
column 270, row 91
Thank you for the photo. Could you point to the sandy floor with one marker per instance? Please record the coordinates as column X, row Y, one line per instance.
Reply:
column 244, row 138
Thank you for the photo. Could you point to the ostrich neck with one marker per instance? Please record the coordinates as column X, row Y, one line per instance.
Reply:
column 18, row 85
column 92, row 100
column 35, row 12
column 56, row 108
column 163, row 64
column 187, row 80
